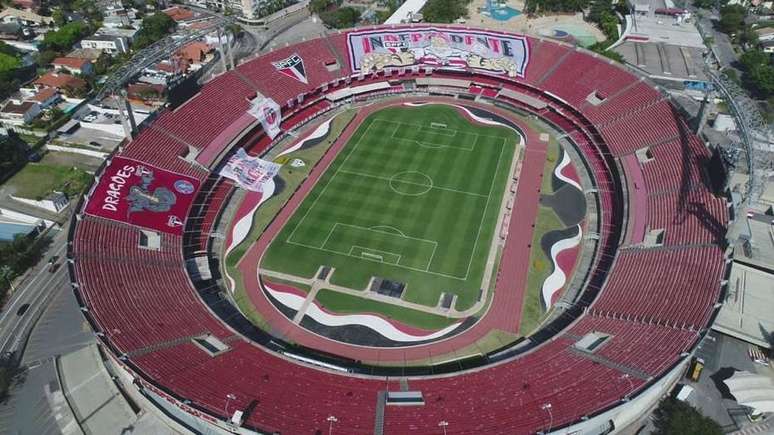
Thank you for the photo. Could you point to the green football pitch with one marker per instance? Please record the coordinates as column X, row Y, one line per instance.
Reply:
column 414, row 196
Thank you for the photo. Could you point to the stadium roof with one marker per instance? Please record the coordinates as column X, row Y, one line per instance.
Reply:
column 746, row 311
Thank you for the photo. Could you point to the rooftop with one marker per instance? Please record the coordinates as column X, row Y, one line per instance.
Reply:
column 44, row 95
column 18, row 109
column 72, row 62
column 59, row 80
column 747, row 308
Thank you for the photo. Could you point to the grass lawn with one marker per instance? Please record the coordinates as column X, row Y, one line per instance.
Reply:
column 346, row 304
column 539, row 269
column 293, row 177
column 37, row 180
column 552, row 158
column 300, row 286
column 413, row 197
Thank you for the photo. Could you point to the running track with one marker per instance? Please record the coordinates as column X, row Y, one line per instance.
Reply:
column 504, row 312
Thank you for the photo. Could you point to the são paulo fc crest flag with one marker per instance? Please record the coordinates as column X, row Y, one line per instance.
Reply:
column 292, row 67
column 268, row 112
column 251, row 173
column 140, row 194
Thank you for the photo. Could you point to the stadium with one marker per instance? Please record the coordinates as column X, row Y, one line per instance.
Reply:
column 406, row 229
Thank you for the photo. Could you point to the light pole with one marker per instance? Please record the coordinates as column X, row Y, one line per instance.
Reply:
column 631, row 386
column 547, row 407
column 443, row 424
column 331, row 419
column 229, row 397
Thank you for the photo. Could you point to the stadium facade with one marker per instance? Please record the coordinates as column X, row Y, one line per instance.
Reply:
column 648, row 298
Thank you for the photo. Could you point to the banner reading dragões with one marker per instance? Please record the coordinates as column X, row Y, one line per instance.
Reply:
column 251, row 173
column 438, row 47
column 140, row 194
column 268, row 112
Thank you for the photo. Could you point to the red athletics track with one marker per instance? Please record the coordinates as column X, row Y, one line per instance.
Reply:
column 504, row 312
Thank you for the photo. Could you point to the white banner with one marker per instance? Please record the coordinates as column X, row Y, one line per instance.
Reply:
column 268, row 112
column 251, row 173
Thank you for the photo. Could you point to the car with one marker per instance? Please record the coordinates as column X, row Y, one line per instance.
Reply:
column 95, row 144
column 52, row 264
column 23, row 309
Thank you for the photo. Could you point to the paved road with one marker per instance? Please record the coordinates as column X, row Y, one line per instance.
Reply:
column 722, row 46
column 36, row 290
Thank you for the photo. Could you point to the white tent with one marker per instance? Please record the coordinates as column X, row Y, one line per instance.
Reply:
column 752, row 390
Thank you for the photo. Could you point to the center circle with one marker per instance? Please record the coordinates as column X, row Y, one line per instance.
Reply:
column 411, row 183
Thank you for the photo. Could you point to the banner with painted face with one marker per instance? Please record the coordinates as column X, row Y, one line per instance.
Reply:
column 251, row 173
column 438, row 47
column 267, row 111
column 140, row 194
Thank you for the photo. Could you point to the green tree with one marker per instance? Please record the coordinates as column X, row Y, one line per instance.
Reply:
column 154, row 27
column 341, row 18
column 731, row 18
column 8, row 63
column 675, row 417
column 444, row 11
column 64, row 38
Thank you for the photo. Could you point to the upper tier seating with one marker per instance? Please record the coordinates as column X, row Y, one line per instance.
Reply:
column 675, row 286
column 200, row 120
column 642, row 346
column 588, row 75
column 653, row 304
column 315, row 54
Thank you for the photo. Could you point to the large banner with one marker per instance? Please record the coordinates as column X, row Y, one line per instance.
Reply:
column 250, row 173
column 438, row 47
column 268, row 112
column 143, row 195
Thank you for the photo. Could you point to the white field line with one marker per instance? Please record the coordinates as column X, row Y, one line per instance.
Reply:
column 435, row 244
column 483, row 215
column 389, row 179
column 322, row 192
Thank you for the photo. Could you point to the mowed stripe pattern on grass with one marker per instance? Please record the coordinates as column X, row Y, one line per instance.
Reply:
column 407, row 200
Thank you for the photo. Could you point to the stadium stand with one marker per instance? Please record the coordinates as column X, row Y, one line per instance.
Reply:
column 143, row 302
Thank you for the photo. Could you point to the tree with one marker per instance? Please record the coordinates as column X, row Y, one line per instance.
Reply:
column 731, row 18
column 675, row 417
column 8, row 63
column 154, row 27
column 444, row 11
column 64, row 38
column 341, row 18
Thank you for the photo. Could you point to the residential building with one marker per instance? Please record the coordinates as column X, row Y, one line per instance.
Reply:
column 765, row 34
column 45, row 98
column 61, row 81
column 17, row 112
column 85, row 53
column 195, row 52
column 27, row 4
column 74, row 65
column 127, row 34
column 24, row 17
column 108, row 43
column 10, row 31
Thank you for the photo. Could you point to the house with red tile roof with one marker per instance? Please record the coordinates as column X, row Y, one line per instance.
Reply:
column 61, row 81
column 74, row 65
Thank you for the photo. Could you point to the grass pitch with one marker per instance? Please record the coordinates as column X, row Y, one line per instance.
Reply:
column 413, row 197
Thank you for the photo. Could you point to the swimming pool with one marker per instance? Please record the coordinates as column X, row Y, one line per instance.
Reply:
column 499, row 11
